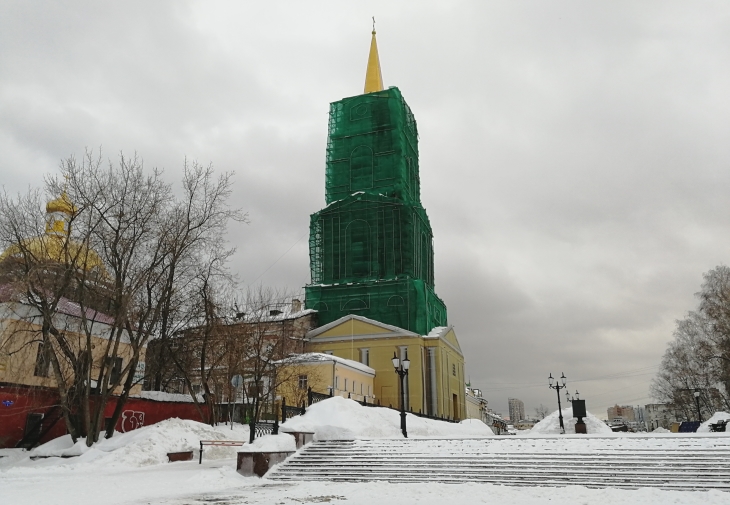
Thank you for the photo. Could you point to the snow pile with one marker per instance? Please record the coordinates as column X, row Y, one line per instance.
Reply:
column 161, row 396
column 145, row 446
column 661, row 430
column 551, row 424
column 272, row 443
column 719, row 416
column 338, row 418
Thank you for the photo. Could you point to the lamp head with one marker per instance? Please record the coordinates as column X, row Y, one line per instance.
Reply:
column 562, row 378
column 406, row 362
column 550, row 379
column 396, row 361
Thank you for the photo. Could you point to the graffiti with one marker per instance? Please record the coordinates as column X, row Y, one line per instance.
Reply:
column 131, row 420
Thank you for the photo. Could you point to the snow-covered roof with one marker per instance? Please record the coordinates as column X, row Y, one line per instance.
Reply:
column 438, row 332
column 265, row 315
column 162, row 396
column 319, row 357
column 10, row 293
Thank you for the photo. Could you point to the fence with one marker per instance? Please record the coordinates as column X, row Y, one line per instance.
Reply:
column 364, row 403
column 314, row 397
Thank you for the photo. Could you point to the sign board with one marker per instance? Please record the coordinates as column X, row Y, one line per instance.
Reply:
column 237, row 381
column 139, row 373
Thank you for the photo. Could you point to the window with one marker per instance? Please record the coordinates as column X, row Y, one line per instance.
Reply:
column 42, row 361
column 302, row 382
column 337, row 382
column 365, row 356
column 453, row 369
column 345, row 384
column 354, row 386
column 116, row 365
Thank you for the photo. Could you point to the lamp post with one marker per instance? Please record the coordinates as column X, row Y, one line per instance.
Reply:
column 697, row 401
column 557, row 387
column 401, row 368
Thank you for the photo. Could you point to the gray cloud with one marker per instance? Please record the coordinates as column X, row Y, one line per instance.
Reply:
column 573, row 156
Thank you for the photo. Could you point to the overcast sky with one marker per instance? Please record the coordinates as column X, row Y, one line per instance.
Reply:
column 574, row 155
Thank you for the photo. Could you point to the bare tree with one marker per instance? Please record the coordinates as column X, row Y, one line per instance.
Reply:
column 541, row 411
column 698, row 358
column 130, row 249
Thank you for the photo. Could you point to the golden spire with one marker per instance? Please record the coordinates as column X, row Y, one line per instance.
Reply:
column 373, row 76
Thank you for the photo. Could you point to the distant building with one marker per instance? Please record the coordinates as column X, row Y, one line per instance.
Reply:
column 624, row 414
column 524, row 425
column 516, row 410
column 659, row 415
column 476, row 405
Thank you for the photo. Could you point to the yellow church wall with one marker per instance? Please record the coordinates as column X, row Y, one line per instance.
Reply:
column 353, row 327
column 347, row 343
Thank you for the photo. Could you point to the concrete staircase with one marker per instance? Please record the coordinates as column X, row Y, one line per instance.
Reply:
column 691, row 463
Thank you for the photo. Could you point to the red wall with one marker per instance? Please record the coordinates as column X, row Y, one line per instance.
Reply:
column 16, row 402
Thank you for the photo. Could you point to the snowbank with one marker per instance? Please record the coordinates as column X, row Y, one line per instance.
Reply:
column 719, row 416
column 338, row 418
column 661, row 430
column 145, row 446
column 551, row 424
column 272, row 443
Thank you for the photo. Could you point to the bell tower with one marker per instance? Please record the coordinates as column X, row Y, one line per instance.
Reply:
column 371, row 247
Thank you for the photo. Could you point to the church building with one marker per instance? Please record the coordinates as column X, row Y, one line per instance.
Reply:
column 371, row 255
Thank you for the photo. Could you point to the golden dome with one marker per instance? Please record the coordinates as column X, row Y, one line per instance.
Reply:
column 61, row 204
column 58, row 249
column 55, row 245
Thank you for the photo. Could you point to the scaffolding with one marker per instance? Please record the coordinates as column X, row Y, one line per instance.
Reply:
column 371, row 248
column 372, row 146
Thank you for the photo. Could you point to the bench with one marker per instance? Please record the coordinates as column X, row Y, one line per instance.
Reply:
column 219, row 443
column 719, row 426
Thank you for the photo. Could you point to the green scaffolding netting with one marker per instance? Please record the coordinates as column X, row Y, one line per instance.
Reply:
column 371, row 248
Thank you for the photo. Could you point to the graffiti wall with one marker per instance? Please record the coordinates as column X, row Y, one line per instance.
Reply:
column 25, row 408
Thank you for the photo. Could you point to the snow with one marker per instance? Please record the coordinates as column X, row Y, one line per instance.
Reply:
column 339, row 418
column 142, row 447
column 661, row 430
column 272, row 443
column 551, row 424
column 161, row 396
column 132, row 468
column 311, row 357
column 719, row 416
column 437, row 331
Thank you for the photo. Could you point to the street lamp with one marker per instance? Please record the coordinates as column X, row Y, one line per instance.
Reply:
column 557, row 387
column 697, row 401
column 401, row 368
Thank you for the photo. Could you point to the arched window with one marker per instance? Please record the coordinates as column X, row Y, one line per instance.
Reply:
column 361, row 168
column 357, row 253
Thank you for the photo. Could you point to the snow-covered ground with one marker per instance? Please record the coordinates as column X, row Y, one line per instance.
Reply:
column 341, row 419
column 551, row 425
column 131, row 468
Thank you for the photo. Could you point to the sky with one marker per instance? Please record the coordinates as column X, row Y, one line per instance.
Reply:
column 573, row 155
